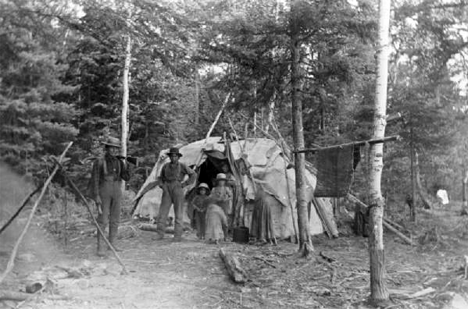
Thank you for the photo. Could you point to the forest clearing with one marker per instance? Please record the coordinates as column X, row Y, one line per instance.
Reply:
column 233, row 154
column 191, row 274
column 61, row 256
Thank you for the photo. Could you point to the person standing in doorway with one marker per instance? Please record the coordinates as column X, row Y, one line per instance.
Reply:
column 106, row 190
column 199, row 209
column 222, row 195
column 171, row 180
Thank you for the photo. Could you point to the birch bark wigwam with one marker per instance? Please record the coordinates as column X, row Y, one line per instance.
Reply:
column 378, row 289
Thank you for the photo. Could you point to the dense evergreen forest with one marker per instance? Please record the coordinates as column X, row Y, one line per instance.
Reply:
column 62, row 63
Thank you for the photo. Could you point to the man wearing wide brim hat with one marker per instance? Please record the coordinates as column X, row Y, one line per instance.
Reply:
column 173, row 151
column 112, row 142
column 106, row 190
column 171, row 180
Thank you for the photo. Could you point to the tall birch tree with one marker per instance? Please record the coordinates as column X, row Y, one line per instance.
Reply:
column 125, row 95
column 378, row 287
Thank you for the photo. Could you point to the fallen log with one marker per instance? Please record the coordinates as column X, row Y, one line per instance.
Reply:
column 264, row 261
column 398, row 233
column 394, row 224
column 154, row 228
column 15, row 296
column 385, row 221
column 233, row 266
column 426, row 211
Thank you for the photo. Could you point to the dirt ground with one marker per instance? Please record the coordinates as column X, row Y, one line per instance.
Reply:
column 190, row 274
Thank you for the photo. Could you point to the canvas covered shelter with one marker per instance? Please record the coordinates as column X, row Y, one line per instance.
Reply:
column 256, row 164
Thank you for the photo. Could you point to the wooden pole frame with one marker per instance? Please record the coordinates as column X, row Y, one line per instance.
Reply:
column 100, row 231
column 11, row 261
column 359, row 143
column 25, row 202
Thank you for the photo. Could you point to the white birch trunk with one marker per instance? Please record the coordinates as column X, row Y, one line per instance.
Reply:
column 378, row 288
column 125, row 96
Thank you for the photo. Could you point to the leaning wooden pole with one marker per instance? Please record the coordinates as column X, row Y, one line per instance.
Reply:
column 25, row 202
column 100, row 231
column 213, row 125
column 11, row 261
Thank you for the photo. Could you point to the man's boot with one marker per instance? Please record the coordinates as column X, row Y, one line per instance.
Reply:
column 112, row 237
column 101, row 252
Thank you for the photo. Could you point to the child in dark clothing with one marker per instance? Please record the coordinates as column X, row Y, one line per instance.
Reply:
column 199, row 209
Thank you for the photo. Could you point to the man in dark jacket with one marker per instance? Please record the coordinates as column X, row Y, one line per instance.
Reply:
column 171, row 180
column 106, row 190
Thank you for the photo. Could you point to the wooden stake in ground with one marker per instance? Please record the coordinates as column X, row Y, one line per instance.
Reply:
column 378, row 289
column 11, row 261
column 305, row 241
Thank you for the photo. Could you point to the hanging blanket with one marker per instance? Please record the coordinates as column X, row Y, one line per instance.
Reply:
column 334, row 171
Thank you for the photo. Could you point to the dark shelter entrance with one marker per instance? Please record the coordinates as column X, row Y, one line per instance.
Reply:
column 216, row 163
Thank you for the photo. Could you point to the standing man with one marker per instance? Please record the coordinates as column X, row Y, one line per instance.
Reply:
column 172, row 184
column 106, row 190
